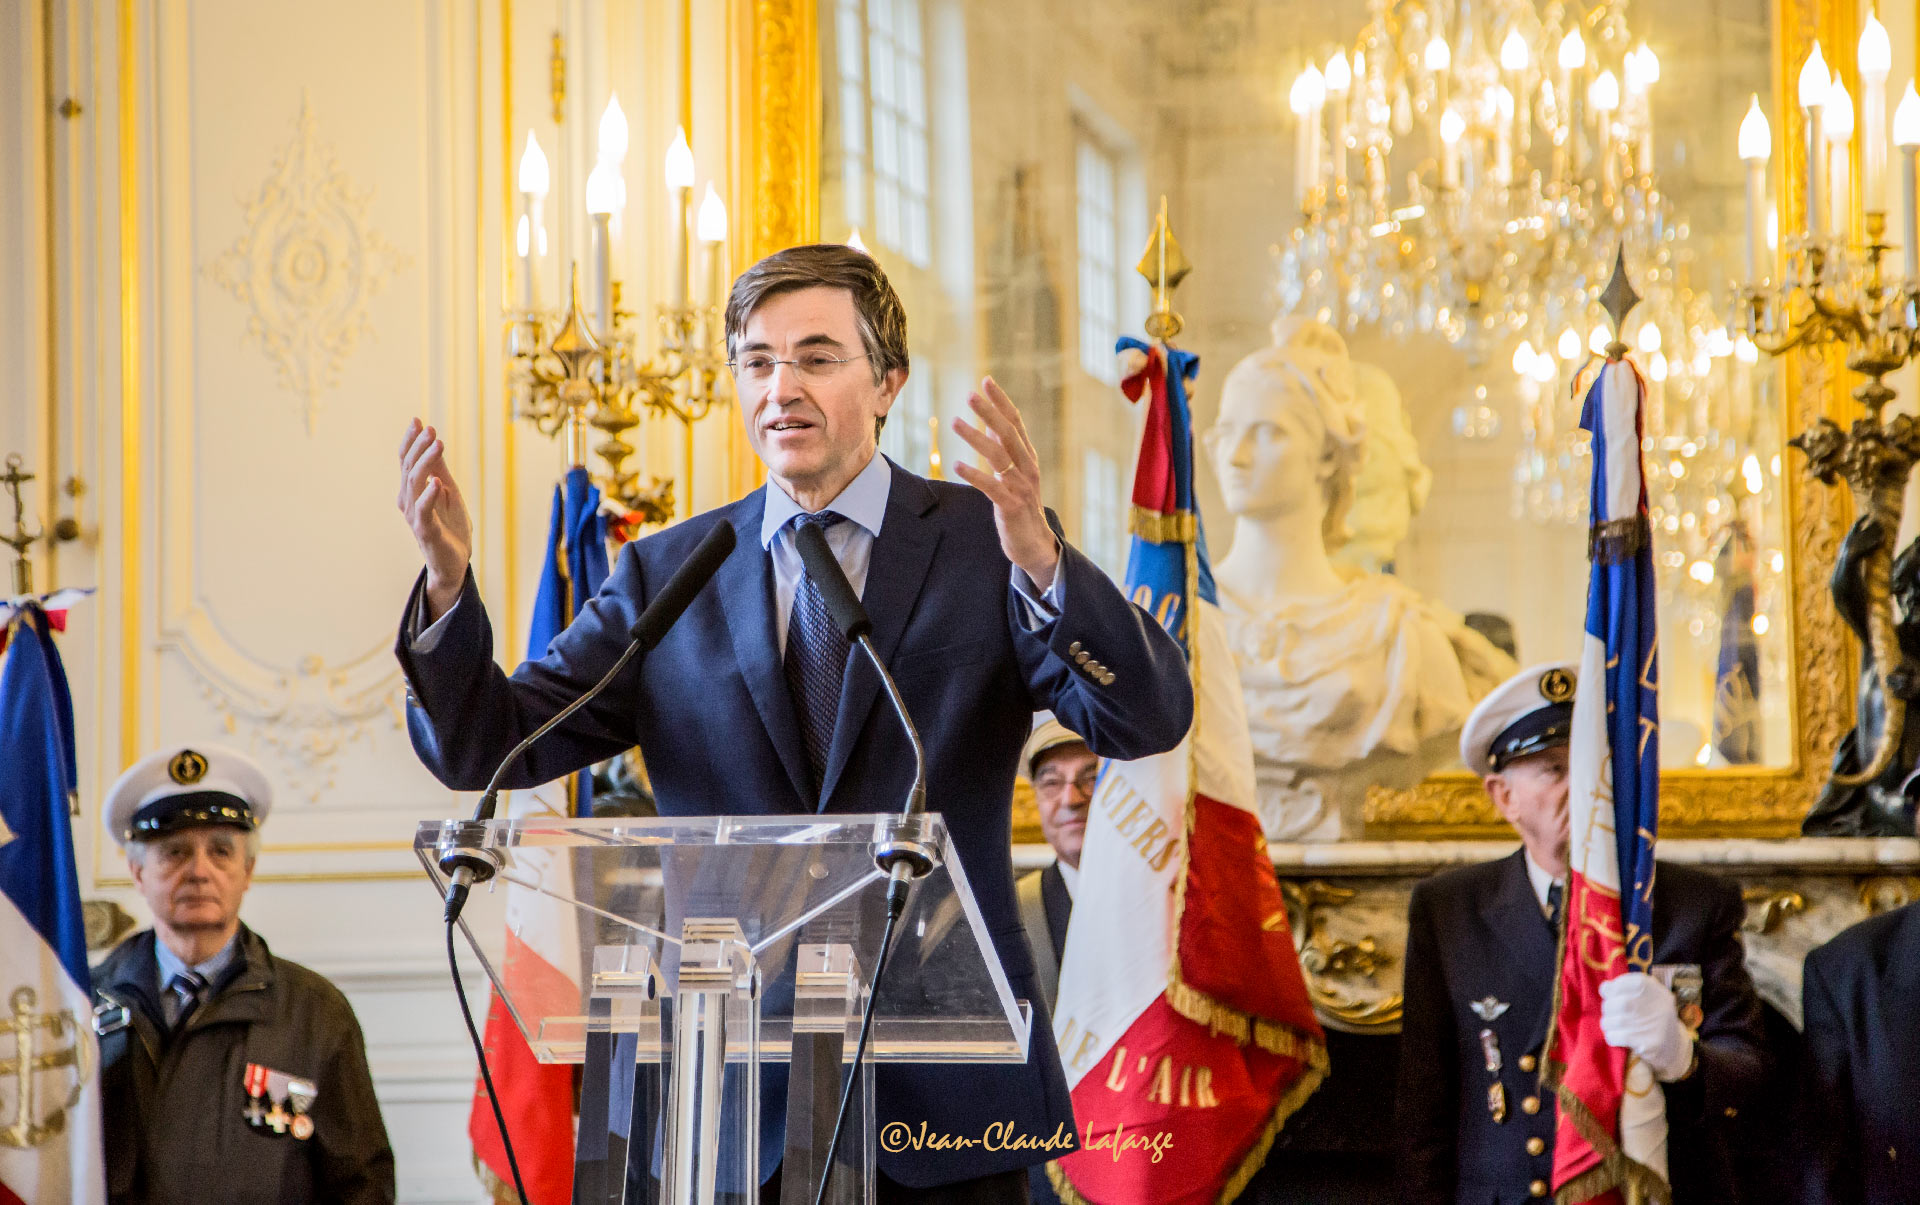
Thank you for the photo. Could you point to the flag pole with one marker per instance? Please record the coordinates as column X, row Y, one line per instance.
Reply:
column 21, row 539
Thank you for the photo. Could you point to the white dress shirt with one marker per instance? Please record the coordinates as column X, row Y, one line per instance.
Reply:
column 1541, row 879
column 1070, row 875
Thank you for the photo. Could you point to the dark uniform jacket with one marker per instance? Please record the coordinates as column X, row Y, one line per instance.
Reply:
column 1045, row 906
column 175, row 1129
column 1477, row 935
column 1861, row 1098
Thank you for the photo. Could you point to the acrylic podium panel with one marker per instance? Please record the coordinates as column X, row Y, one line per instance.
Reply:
column 675, row 956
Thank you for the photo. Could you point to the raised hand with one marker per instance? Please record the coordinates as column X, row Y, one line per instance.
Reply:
column 436, row 514
column 1012, row 480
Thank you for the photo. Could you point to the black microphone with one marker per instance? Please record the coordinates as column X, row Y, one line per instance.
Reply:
column 466, row 863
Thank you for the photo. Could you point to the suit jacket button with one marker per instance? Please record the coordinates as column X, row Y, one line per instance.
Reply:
column 1107, row 680
column 1073, row 648
column 1732, row 1112
column 1537, row 1189
column 1080, row 657
column 1536, row 1145
column 1527, row 1062
column 1530, row 1105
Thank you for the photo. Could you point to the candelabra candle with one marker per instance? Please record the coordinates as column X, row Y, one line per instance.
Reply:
column 1875, row 59
column 1912, row 228
column 602, row 277
column 531, row 236
column 679, row 174
column 1756, row 232
column 1814, row 87
column 1906, row 136
column 534, row 180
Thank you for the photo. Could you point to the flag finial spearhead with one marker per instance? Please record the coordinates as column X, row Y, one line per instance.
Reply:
column 1165, row 266
column 1618, row 299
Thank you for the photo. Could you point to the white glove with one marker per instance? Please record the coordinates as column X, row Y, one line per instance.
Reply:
column 1638, row 1012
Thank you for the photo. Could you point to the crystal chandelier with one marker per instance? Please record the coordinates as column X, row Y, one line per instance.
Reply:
column 1465, row 162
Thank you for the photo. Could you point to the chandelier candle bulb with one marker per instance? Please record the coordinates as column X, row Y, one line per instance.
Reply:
column 679, row 174
column 534, row 182
column 1756, row 147
column 1452, row 127
column 1906, row 136
column 1814, row 86
column 1876, row 60
column 1339, row 81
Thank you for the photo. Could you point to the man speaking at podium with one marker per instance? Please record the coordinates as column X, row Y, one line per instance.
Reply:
column 751, row 703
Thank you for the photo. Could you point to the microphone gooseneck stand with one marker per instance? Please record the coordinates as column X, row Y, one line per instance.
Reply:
column 903, row 861
column 468, row 862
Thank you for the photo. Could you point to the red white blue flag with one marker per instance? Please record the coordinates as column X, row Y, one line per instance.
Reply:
column 1612, row 1127
column 537, row 1098
column 50, row 1143
column 1183, row 1018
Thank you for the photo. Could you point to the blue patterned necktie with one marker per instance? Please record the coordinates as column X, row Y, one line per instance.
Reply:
column 816, row 659
column 184, row 991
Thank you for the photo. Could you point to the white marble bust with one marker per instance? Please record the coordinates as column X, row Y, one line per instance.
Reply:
column 1393, row 482
column 1350, row 677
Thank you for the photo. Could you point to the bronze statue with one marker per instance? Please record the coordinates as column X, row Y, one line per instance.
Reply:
column 1883, row 747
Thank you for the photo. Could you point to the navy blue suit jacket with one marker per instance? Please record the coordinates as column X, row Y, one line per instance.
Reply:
column 1477, row 933
column 1862, row 1063
column 710, row 710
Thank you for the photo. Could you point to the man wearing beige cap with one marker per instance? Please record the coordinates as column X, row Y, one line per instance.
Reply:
column 228, row 1075
column 1475, row 1120
column 1062, row 770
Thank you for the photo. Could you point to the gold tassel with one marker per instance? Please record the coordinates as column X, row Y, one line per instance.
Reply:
column 1157, row 528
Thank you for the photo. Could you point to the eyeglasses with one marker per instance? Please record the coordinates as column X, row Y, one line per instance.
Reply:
column 812, row 366
column 1055, row 784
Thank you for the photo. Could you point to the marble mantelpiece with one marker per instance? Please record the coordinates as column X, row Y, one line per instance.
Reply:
column 1347, row 902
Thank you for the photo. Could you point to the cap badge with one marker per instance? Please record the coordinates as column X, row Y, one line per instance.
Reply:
column 1556, row 686
column 187, row 767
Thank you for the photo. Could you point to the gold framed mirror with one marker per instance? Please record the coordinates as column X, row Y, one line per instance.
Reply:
column 788, row 133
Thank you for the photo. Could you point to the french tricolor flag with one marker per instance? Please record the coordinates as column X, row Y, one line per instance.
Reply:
column 50, row 1144
column 1612, row 1127
column 1183, row 1018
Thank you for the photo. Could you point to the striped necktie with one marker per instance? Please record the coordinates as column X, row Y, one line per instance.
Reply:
column 184, row 993
column 816, row 659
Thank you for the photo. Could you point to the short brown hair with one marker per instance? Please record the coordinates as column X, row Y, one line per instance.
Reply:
column 882, row 319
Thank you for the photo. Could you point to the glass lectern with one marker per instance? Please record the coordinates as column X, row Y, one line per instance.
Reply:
column 710, row 973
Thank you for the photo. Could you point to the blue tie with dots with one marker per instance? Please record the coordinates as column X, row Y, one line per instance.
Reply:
column 816, row 659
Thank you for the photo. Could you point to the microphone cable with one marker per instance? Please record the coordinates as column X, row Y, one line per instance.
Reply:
column 486, row 1076
column 897, row 887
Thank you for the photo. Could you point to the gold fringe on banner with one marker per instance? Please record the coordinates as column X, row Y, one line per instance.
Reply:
column 1157, row 528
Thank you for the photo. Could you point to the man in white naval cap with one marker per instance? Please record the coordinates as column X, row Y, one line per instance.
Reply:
column 1475, row 1122
column 228, row 1075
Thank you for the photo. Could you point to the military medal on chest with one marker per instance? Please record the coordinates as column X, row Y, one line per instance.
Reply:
column 278, row 1103
column 1490, row 1010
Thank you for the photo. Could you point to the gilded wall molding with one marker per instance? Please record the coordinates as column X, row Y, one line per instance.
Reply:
column 306, row 265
